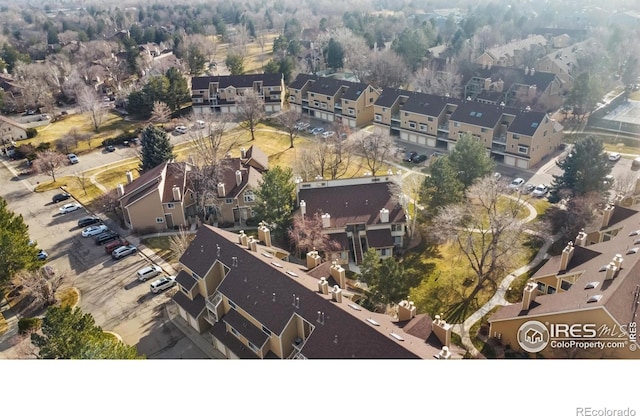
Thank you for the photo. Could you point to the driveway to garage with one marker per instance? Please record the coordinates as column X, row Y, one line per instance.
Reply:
column 108, row 289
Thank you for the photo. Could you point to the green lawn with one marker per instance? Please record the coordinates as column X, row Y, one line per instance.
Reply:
column 86, row 196
column 162, row 247
column 113, row 175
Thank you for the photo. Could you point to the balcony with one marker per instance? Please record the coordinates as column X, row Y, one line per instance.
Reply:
column 337, row 106
column 444, row 128
column 395, row 124
column 500, row 139
column 499, row 148
column 214, row 301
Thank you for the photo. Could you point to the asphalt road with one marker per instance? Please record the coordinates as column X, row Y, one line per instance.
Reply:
column 109, row 289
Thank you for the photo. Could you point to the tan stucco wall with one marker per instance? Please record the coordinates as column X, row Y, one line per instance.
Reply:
column 143, row 213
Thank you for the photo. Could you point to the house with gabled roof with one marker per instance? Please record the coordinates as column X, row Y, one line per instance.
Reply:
column 564, row 62
column 589, row 293
column 222, row 93
column 158, row 199
column 357, row 214
column 512, row 53
column 333, row 100
column 250, row 302
column 11, row 131
column 516, row 137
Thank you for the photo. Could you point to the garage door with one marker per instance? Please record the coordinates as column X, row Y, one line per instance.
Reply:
column 509, row 160
column 404, row 136
column 268, row 108
column 422, row 140
column 412, row 138
column 522, row 163
column 219, row 346
column 431, row 142
column 330, row 117
column 224, row 109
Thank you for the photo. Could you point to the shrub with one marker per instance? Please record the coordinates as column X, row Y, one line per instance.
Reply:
column 29, row 325
column 127, row 136
column 225, row 225
column 31, row 133
column 43, row 147
column 27, row 151
column 252, row 222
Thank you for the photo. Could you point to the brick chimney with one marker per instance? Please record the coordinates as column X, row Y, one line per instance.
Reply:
column 338, row 273
column 406, row 311
column 566, row 255
column 529, row 295
column 313, row 260
column 607, row 213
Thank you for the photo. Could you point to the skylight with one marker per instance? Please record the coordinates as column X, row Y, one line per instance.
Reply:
column 472, row 114
column 478, row 114
column 594, row 298
column 591, row 285
column 534, row 124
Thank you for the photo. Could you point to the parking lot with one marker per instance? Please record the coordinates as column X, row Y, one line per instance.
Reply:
column 108, row 288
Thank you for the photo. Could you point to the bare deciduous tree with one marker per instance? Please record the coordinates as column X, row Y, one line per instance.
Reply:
column 39, row 287
column 250, row 111
column 160, row 113
column 83, row 180
column 178, row 243
column 306, row 234
column 289, row 121
column 375, row 148
column 91, row 103
column 486, row 229
column 49, row 163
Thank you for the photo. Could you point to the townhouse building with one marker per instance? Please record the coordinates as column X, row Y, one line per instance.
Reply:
column 333, row 100
column 584, row 302
column 357, row 214
column 512, row 53
column 516, row 137
column 157, row 200
column 243, row 296
column 223, row 93
column 565, row 62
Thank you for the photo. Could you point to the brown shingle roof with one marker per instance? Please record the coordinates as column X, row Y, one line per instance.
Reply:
column 185, row 280
column 150, row 178
column 265, row 292
column 193, row 307
column 246, row 328
column 257, row 158
column 175, row 175
column 352, row 204
column 380, row 238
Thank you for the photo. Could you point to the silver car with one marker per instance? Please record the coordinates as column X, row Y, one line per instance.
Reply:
column 162, row 284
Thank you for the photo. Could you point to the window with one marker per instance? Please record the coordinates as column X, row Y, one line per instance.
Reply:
column 159, row 220
column 484, row 130
column 249, row 196
column 534, row 125
column 396, row 227
column 412, row 125
column 228, row 201
column 516, row 137
column 384, row 110
column 232, row 305
column 370, row 100
column 542, row 287
column 594, row 298
column 591, row 285
column 384, row 252
column 312, row 95
column 523, row 150
column 265, row 330
column 378, row 117
column 252, row 346
column 171, row 206
column 323, row 105
column 234, row 332
column 185, row 291
column 456, row 124
column 430, row 118
column 351, row 111
column 551, row 290
column 565, row 285
column 423, row 127
column 316, row 104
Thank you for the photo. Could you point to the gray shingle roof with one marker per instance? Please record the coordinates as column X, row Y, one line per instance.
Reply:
column 238, row 81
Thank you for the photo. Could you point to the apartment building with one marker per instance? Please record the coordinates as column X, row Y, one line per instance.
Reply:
column 333, row 100
column 357, row 213
column 157, row 200
column 245, row 297
column 516, row 137
column 222, row 93
column 515, row 87
column 582, row 303
column 512, row 53
column 565, row 62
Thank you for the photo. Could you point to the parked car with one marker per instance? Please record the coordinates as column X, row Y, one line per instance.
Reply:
column 608, row 180
column 540, row 191
column 60, row 197
column 73, row 158
column 94, row 230
column 328, row 134
column 163, row 283
column 105, row 237
column 516, row 183
column 419, row 159
column 123, row 251
column 635, row 163
column 112, row 245
column 317, row 130
column 111, row 148
column 181, row 129
column 409, row 156
column 200, row 124
column 66, row 208
column 86, row 221
column 497, row 176
column 148, row 272
column 614, row 156
column 43, row 255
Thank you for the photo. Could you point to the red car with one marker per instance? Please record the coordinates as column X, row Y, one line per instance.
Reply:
column 112, row 245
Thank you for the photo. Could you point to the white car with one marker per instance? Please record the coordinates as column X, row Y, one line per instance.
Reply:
column 162, row 284
column 73, row 159
column 123, row 251
column 614, row 156
column 181, row 129
column 516, row 183
column 328, row 134
column 540, row 191
column 94, row 230
column 69, row 208
column 148, row 272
